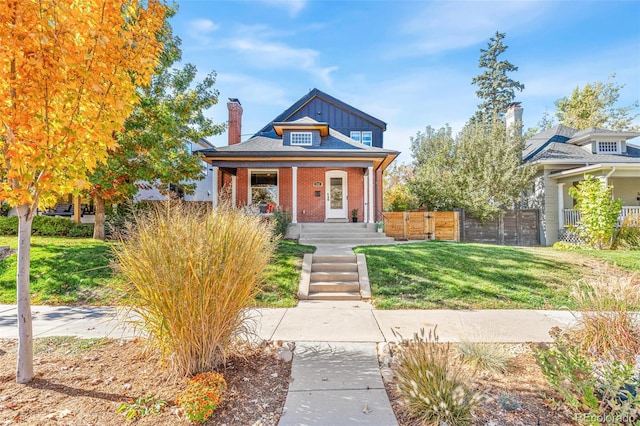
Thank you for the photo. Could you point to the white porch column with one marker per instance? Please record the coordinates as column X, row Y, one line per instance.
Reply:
column 561, row 206
column 294, row 194
column 234, row 183
column 371, row 199
column 214, row 186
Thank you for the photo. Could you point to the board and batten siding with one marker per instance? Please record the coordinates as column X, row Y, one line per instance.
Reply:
column 338, row 119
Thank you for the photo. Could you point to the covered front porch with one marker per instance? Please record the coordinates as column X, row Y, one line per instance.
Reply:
column 312, row 192
column 624, row 178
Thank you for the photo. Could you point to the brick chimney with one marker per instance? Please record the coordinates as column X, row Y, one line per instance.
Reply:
column 235, row 121
column 513, row 118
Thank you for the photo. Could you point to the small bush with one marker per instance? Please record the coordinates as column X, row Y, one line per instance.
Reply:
column 594, row 365
column 281, row 221
column 432, row 382
column 190, row 275
column 628, row 236
column 202, row 396
column 142, row 406
column 491, row 357
column 563, row 245
column 590, row 384
column 47, row 226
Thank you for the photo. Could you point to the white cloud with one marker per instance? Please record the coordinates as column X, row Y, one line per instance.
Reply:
column 292, row 6
column 204, row 25
column 444, row 26
column 200, row 30
column 264, row 53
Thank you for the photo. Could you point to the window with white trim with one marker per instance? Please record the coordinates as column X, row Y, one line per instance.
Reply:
column 364, row 137
column 367, row 138
column 264, row 189
column 608, row 147
column 301, row 138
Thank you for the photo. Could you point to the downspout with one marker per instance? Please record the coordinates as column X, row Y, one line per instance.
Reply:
column 606, row 178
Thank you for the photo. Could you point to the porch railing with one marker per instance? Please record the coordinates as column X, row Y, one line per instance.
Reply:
column 572, row 217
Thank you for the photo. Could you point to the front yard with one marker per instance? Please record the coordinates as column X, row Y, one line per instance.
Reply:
column 78, row 271
column 427, row 275
column 441, row 275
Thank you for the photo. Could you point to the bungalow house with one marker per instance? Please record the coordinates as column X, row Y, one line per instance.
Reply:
column 321, row 160
column 563, row 156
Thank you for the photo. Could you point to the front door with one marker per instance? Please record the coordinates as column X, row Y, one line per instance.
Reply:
column 336, row 195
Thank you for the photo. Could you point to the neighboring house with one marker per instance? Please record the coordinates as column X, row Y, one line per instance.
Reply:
column 563, row 156
column 320, row 160
column 202, row 190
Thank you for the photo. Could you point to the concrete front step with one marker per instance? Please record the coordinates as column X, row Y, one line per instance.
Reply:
column 335, row 296
column 334, row 276
column 334, row 287
column 347, row 240
column 339, row 258
column 334, row 267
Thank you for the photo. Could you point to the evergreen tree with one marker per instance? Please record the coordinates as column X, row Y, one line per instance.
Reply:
column 495, row 88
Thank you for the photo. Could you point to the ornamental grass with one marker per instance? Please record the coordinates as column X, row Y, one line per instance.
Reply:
column 191, row 274
column 607, row 321
column 433, row 383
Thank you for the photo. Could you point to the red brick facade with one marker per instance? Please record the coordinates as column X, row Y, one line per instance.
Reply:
column 311, row 198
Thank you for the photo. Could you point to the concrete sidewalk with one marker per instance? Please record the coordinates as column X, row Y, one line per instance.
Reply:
column 317, row 321
column 335, row 375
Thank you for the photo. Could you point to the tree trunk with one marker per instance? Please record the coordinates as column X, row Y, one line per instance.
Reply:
column 98, row 227
column 24, row 370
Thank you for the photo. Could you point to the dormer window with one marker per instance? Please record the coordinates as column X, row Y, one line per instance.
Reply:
column 365, row 138
column 608, row 147
column 301, row 138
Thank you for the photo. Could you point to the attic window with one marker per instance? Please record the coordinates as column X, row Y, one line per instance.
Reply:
column 608, row 147
column 301, row 138
column 364, row 138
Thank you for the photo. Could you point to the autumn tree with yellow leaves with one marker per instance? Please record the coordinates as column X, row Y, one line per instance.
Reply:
column 69, row 70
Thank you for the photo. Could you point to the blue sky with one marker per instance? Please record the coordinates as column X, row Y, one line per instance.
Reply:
column 408, row 63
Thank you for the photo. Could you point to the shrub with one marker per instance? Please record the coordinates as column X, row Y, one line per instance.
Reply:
column 628, row 236
column 47, row 226
column 598, row 212
column 190, row 275
column 592, row 387
column 491, row 357
column 202, row 396
column 593, row 366
column 281, row 221
column 432, row 382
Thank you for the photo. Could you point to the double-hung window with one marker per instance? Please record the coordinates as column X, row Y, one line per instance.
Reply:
column 363, row 137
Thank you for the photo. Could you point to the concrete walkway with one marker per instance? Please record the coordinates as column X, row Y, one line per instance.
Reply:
column 336, row 379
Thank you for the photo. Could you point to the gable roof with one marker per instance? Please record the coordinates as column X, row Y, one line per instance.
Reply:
column 563, row 143
column 315, row 93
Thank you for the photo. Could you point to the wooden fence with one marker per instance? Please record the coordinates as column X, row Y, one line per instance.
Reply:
column 422, row 225
column 512, row 227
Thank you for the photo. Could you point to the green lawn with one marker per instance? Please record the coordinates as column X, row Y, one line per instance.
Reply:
column 282, row 279
column 440, row 275
column 626, row 259
column 63, row 271
column 77, row 271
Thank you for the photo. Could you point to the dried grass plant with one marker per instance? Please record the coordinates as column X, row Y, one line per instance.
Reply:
column 191, row 274
column 607, row 321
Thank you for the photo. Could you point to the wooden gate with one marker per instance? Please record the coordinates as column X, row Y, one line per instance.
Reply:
column 422, row 225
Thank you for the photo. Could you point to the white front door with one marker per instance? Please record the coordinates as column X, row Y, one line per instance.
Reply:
column 336, row 194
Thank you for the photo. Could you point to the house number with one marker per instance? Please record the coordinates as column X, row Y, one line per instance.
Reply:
column 318, row 183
